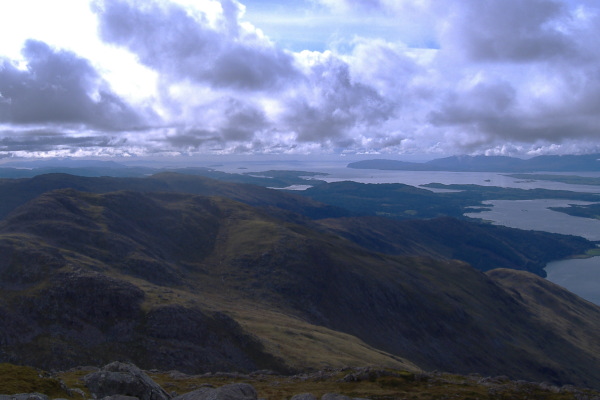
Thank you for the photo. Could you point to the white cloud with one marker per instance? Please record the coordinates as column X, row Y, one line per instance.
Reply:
column 492, row 76
column 58, row 87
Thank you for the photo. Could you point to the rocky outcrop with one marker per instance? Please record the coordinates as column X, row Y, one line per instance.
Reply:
column 304, row 396
column 121, row 381
column 24, row 396
column 124, row 379
column 335, row 396
column 234, row 391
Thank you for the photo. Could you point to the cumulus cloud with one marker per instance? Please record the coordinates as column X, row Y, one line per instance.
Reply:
column 46, row 141
column 493, row 76
column 223, row 84
column 187, row 46
column 235, row 121
column 334, row 107
column 525, row 75
column 509, row 30
column 58, row 87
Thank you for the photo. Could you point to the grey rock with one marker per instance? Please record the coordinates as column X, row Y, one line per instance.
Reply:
column 24, row 396
column 126, row 380
column 335, row 396
column 197, row 394
column 304, row 396
column 234, row 391
column 75, row 391
column 119, row 397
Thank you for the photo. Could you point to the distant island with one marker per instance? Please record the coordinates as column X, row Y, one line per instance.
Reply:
column 464, row 163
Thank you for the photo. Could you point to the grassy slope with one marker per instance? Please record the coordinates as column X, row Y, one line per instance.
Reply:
column 561, row 311
column 120, row 237
column 217, row 255
column 484, row 246
column 16, row 192
column 209, row 256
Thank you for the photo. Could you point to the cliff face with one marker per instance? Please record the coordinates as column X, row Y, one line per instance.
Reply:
column 178, row 281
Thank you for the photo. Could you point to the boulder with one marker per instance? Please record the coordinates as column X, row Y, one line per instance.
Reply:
column 234, row 391
column 335, row 396
column 118, row 397
column 304, row 396
column 198, row 394
column 24, row 396
column 126, row 380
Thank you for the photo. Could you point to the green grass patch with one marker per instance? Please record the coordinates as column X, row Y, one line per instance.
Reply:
column 593, row 252
column 590, row 253
column 16, row 379
column 398, row 385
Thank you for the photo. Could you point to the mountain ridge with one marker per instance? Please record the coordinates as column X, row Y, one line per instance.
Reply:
column 465, row 163
column 482, row 245
column 72, row 246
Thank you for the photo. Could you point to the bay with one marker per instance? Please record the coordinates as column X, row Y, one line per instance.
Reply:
column 339, row 172
column 536, row 215
column 582, row 276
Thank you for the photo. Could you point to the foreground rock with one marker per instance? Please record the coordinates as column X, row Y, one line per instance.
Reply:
column 124, row 380
column 24, row 396
column 120, row 381
column 234, row 391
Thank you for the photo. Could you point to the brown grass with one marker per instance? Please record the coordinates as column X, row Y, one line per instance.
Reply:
column 371, row 383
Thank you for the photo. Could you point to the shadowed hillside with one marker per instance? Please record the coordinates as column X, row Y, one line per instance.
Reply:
column 15, row 192
column 173, row 280
column 484, row 246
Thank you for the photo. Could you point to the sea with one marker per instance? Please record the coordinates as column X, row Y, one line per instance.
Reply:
column 580, row 276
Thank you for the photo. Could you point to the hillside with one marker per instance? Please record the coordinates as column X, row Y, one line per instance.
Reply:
column 174, row 280
column 484, row 246
column 584, row 211
column 403, row 202
column 15, row 192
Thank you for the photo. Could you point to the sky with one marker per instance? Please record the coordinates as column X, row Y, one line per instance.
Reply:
column 133, row 78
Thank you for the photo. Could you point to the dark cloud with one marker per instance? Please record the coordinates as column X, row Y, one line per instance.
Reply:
column 58, row 87
column 492, row 114
column 481, row 103
column 242, row 121
column 335, row 105
column 193, row 139
column 238, row 122
column 44, row 141
column 509, row 30
column 180, row 46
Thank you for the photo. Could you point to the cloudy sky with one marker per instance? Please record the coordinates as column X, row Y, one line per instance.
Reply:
column 386, row 77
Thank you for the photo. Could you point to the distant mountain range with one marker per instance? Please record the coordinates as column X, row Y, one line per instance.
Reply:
column 564, row 163
column 184, row 272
